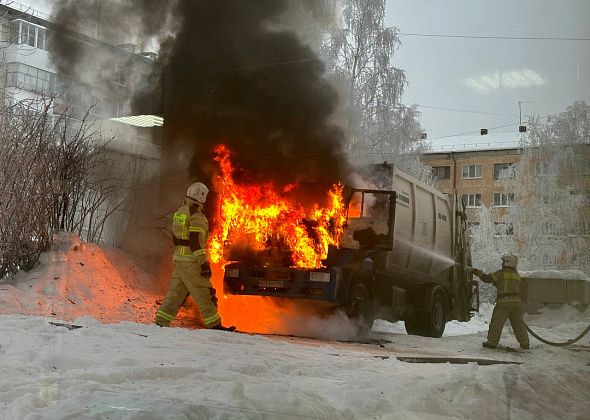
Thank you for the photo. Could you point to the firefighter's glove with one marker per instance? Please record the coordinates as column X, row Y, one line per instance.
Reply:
column 213, row 296
column 206, row 270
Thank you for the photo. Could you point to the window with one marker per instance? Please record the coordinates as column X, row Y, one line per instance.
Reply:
column 32, row 35
column 503, row 199
column 580, row 227
column 30, row 78
column 441, row 172
column 504, row 169
column 503, row 228
column 47, row 43
column 471, row 171
column 15, row 31
column 40, row 38
column 582, row 167
column 121, row 75
column 548, row 228
column 471, row 200
column 542, row 168
column 22, row 32
column 144, row 82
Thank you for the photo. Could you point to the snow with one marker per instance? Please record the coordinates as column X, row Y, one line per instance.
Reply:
column 475, row 142
column 121, row 366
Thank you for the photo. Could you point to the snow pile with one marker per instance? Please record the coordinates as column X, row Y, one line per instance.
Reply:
column 77, row 279
column 549, row 317
column 479, row 322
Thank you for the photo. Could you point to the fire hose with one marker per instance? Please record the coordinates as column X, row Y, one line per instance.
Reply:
column 565, row 343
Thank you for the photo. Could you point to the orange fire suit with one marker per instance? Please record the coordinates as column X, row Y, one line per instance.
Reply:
column 191, row 272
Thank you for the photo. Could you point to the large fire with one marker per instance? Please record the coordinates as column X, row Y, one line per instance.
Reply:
column 258, row 218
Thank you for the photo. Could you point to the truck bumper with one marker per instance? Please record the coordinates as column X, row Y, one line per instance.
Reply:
column 317, row 284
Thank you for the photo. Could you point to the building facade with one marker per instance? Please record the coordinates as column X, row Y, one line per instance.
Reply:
column 476, row 175
column 540, row 206
column 102, row 85
column 99, row 89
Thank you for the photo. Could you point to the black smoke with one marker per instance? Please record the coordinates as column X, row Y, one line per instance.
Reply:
column 231, row 73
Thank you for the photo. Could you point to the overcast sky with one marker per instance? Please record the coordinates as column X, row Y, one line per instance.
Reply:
column 488, row 76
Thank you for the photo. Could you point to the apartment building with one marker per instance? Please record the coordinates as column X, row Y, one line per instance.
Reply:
column 99, row 89
column 479, row 168
column 106, row 77
column 474, row 167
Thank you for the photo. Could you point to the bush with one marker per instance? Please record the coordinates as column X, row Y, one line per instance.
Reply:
column 56, row 175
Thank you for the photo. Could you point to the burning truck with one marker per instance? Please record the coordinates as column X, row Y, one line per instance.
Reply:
column 398, row 251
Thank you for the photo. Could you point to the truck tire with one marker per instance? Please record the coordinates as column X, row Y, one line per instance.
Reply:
column 429, row 323
column 361, row 307
column 436, row 318
column 414, row 325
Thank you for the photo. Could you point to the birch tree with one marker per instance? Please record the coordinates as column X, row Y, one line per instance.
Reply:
column 549, row 218
column 359, row 56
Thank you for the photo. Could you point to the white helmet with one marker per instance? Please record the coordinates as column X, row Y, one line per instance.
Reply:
column 510, row 261
column 197, row 192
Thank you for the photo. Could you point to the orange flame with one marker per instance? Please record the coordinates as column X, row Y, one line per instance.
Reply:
column 259, row 218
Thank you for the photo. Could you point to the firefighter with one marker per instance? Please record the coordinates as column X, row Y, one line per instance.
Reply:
column 192, row 273
column 508, row 305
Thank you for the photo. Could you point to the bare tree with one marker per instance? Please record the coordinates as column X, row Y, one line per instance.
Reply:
column 548, row 224
column 359, row 55
column 56, row 174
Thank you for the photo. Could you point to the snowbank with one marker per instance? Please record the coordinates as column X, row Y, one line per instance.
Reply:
column 77, row 279
column 479, row 322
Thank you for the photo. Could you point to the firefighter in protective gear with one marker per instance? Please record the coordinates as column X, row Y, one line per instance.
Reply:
column 192, row 273
column 508, row 305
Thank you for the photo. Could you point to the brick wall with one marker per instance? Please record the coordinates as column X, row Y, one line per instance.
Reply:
column 482, row 183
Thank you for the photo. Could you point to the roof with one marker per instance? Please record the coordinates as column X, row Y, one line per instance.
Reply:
column 475, row 142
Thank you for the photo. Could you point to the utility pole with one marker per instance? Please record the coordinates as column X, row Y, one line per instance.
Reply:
column 98, row 21
column 521, row 128
column 520, row 110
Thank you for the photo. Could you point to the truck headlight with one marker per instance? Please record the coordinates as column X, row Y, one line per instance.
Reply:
column 232, row 272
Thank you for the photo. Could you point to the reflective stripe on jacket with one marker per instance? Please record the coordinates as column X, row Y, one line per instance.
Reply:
column 183, row 224
column 507, row 282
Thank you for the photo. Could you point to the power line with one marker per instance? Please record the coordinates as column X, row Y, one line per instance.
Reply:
column 511, row 38
column 473, row 132
column 465, row 110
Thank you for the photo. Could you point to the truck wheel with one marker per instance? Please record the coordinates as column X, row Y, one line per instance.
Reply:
column 431, row 323
column 361, row 307
column 415, row 324
column 436, row 318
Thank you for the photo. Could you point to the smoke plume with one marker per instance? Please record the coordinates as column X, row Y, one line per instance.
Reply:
column 232, row 73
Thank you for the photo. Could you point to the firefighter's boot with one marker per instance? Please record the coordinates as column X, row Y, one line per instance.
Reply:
column 222, row 328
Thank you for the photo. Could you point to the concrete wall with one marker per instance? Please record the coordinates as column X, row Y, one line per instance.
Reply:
column 556, row 292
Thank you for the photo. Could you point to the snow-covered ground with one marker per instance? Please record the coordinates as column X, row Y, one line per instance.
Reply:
column 116, row 369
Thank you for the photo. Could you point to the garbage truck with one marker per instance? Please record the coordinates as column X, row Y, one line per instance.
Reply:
column 403, row 255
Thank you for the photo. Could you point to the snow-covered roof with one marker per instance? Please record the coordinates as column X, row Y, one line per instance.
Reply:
column 475, row 142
